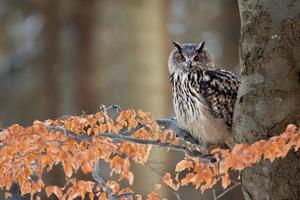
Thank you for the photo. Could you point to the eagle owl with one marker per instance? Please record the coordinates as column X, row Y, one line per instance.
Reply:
column 203, row 94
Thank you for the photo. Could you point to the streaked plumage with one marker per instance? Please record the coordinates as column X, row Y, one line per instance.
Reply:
column 203, row 95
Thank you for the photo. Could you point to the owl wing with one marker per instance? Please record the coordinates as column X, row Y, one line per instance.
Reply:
column 219, row 89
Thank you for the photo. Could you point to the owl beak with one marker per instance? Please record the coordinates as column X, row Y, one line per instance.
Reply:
column 190, row 64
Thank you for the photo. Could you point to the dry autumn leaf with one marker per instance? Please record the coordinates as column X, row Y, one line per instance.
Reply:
column 167, row 179
column 54, row 190
column 184, row 164
column 157, row 186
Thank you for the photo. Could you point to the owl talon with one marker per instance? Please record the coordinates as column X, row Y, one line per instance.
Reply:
column 188, row 137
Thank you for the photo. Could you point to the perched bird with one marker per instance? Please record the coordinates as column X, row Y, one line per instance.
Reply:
column 203, row 94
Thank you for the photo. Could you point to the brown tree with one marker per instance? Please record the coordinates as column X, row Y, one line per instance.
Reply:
column 269, row 97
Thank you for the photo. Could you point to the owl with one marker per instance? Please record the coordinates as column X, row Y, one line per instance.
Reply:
column 203, row 94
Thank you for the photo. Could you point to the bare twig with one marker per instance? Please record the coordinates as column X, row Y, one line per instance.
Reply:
column 101, row 182
column 227, row 190
column 105, row 187
column 214, row 194
column 132, row 131
column 112, row 111
column 177, row 195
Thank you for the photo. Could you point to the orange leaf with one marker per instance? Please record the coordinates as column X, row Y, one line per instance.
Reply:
column 103, row 196
column 169, row 181
column 114, row 186
column 87, row 167
column 138, row 197
column 27, row 171
column 130, row 178
column 189, row 178
column 157, row 186
column 68, row 169
column 225, row 181
column 152, row 196
column 182, row 165
column 55, row 190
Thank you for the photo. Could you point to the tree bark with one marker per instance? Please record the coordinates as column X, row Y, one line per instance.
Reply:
column 84, row 20
column 51, row 69
column 269, row 96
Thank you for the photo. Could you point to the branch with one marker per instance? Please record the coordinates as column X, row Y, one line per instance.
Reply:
column 214, row 194
column 120, row 137
column 177, row 195
column 80, row 137
column 191, row 153
column 105, row 187
column 227, row 190
column 173, row 125
column 134, row 130
column 101, row 182
column 114, row 111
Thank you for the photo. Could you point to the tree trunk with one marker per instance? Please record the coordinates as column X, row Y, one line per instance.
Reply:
column 84, row 19
column 51, row 68
column 269, row 97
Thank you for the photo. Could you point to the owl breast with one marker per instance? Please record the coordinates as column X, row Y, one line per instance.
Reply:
column 193, row 110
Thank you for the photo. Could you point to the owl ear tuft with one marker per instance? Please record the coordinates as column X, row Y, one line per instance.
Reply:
column 200, row 46
column 177, row 45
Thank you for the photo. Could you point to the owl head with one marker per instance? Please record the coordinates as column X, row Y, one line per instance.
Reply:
column 188, row 57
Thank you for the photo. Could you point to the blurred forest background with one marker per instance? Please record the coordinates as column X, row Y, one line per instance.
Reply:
column 61, row 57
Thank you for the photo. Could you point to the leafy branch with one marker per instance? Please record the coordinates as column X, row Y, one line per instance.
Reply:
column 119, row 138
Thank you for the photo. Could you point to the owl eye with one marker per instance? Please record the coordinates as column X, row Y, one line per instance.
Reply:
column 197, row 58
column 180, row 58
